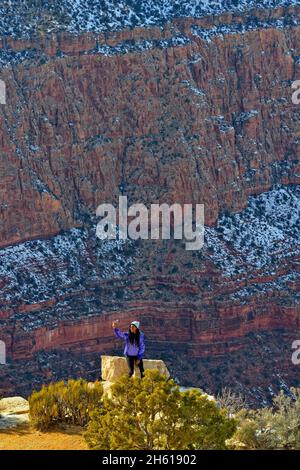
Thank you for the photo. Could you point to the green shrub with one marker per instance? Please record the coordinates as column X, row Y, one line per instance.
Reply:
column 152, row 413
column 60, row 402
column 275, row 428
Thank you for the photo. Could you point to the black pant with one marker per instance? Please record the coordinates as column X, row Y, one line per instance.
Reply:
column 130, row 361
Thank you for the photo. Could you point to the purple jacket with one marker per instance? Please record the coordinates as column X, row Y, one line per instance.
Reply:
column 131, row 349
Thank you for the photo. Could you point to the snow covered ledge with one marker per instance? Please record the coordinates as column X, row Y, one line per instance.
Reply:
column 113, row 367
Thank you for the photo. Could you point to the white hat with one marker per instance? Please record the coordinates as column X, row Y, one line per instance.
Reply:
column 135, row 323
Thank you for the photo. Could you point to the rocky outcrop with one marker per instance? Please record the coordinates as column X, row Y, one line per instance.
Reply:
column 113, row 367
column 14, row 411
column 14, row 405
column 196, row 111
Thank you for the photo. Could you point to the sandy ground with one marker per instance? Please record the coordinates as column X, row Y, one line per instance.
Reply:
column 27, row 438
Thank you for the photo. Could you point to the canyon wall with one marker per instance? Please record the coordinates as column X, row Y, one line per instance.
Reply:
column 194, row 111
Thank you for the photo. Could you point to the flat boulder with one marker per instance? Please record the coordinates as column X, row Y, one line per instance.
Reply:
column 113, row 367
column 14, row 411
column 14, row 405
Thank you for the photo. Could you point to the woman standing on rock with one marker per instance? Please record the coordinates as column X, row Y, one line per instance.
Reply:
column 134, row 346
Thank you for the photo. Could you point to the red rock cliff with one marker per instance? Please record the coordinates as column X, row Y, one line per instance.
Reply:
column 187, row 113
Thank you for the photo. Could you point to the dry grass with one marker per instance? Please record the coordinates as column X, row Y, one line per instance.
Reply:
column 27, row 438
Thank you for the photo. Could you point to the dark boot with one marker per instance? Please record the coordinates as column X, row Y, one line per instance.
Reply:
column 141, row 367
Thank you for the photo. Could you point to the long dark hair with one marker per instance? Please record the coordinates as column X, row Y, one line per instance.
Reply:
column 134, row 337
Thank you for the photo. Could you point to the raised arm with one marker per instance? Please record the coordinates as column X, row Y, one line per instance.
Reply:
column 120, row 334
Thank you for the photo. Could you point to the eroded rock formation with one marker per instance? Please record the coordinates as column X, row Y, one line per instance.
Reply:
column 198, row 110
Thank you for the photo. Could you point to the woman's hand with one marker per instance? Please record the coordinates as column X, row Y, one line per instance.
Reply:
column 113, row 324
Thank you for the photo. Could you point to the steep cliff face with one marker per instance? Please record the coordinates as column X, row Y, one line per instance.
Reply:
column 195, row 110
column 208, row 120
